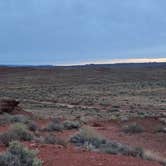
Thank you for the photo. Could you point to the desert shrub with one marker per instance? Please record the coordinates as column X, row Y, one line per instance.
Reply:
column 149, row 155
column 56, row 120
column 112, row 147
column 7, row 137
column 104, row 102
column 32, row 126
column 54, row 127
column 91, row 140
column 51, row 139
column 71, row 125
column 21, row 131
column 7, row 118
column 17, row 132
column 18, row 155
column 113, row 110
column 133, row 128
column 87, row 137
column 19, row 119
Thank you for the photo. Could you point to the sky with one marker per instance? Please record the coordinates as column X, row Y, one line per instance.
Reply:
column 63, row 32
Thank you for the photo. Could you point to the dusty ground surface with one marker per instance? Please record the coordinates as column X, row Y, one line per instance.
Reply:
column 102, row 97
column 72, row 157
column 85, row 91
column 149, row 139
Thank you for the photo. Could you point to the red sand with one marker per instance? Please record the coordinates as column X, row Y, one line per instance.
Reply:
column 149, row 139
column 54, row 155
column 58, row 156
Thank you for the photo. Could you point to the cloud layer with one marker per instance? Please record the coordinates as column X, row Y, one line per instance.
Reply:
column 66, row 31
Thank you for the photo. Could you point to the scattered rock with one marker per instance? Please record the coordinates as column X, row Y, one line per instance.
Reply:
column 8, row 106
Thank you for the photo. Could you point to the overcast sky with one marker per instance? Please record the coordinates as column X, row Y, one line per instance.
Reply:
column 76, row 31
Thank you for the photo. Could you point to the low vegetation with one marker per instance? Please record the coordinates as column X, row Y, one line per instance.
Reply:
column 133, row 128
column 153, row 156
column 68, row 125
column 32, row 126
column 54, row 127
column 16, row 132
column 85, row 94
column 91, row 140
column 8, row 118
column 52, row 139
column 18, row 155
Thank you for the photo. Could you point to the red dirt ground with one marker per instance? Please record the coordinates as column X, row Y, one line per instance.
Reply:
column 56, row 155
column 3, row 128
column 149, row 139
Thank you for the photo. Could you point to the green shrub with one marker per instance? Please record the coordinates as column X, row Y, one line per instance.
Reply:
column 7, row 137
column 17, row 132
column 56, row 120
column 7, row 118
column 91, row 140
column 32, row 126
column 71, row 125
column 19, row 119
column 50, row 139
column 133, row 128
column 54, row 127
column 21, row 131
column 112, row 147
column 18, row 155
column 88, row 137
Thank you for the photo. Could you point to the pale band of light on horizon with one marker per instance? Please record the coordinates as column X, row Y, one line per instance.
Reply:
column 114, row 61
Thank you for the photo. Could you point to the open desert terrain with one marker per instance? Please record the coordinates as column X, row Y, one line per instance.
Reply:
column 92, row 115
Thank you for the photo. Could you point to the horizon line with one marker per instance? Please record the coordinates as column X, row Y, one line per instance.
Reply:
column 95, row 62
column 117, row 61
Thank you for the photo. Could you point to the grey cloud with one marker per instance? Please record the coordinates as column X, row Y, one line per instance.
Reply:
column 79, row 28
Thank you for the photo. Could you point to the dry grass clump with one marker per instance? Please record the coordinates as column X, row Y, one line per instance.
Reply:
column 52, row 139
column 88, row 137
column 89, row 133
column 149, row 155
